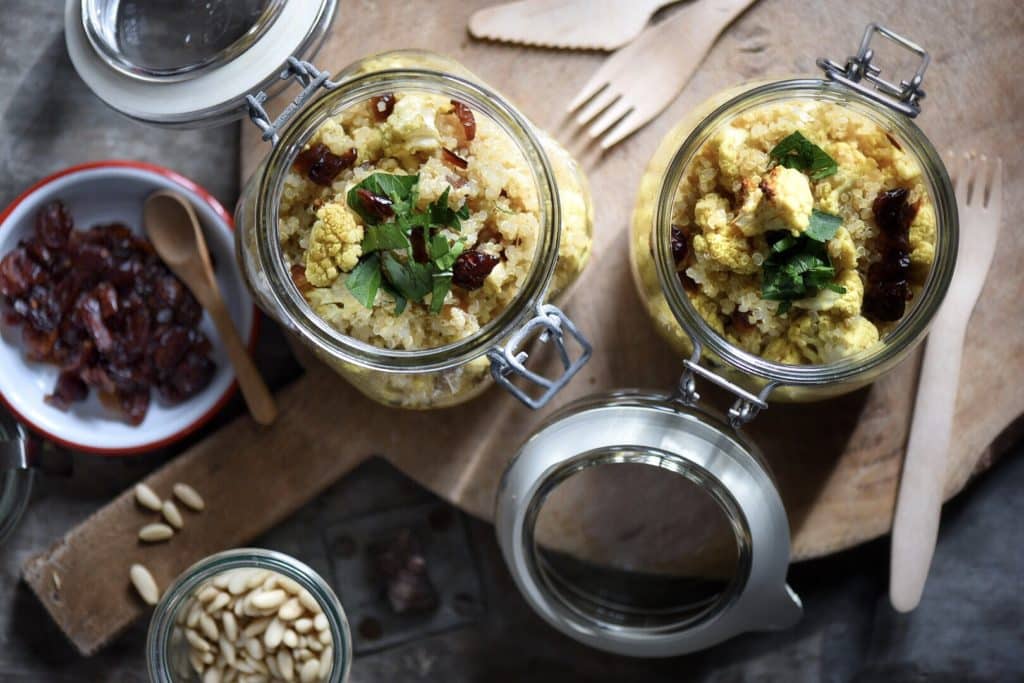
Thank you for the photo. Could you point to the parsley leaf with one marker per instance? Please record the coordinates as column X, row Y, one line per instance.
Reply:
column 798, row 267
column 365, row 280
column 412, row 280
column 399, row 191
column 823, row 226
column 384, row 236
column 442, row 283
column 796, row 151
column 441, row 214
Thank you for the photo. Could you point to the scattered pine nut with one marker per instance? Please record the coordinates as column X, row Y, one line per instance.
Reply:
column 171, row 514
column 147, row 498
column 154, row 533
column 189, row 496
column 144, row 583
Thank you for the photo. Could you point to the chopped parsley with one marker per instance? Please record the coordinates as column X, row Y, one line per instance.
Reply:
column 387, row 204
column 798, row 267
column 796, row 151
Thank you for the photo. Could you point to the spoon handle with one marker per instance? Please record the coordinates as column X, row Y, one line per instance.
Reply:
column 257, row 396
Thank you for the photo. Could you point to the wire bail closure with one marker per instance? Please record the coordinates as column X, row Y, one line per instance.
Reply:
column 905, row 97
column 510, row 359
column 747, row 405
column 305, row 74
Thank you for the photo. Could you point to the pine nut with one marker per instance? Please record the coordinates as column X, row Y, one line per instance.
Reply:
column 289, row 585
column 320, row 622
column 268, row 599
column 208, row 626
column 303, row 625
column 221, row 580
column 286, row 665
column 254, row 648
column 274, row 634
column 314, row 644
column 272, row 667
column 207, row 658
column 309, row 602
column 144, row 583
column 238, row 580
column 290, row 610
column 325, row 637
column 326, row 661
column 207, row 594
column 257, row 577
column 256, row 627
column 197, row 664
column 218, row 603
column 212, row 675
column 189, row 496
column 290, row 639
column 230, row 626
column 171, row 514
column 310, row 671
column 193, row 616
column 197, row 641
column 301, row 654
column 154, row 533
column 147, row 498
column 228, row 650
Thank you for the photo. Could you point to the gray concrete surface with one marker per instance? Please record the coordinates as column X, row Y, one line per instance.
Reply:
column 970, row 626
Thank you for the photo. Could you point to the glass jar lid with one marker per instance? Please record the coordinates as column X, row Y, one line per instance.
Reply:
column 589, row 516
column 190, row 62
column 16, row 455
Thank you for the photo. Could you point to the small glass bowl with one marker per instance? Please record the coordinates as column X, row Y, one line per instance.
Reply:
column 167, row 654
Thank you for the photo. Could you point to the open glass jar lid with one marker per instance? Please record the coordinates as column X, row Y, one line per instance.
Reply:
column 188, row 62
column 589, row 516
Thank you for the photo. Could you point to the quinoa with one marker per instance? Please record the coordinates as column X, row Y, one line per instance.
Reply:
column 733, row 198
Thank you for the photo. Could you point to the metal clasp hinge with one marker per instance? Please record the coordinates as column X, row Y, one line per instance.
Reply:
column 747, row 405
column 309, row 77
column 905, row 97
column 510, row 360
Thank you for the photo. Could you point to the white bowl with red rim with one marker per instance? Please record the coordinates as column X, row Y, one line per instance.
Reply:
column 107, row 192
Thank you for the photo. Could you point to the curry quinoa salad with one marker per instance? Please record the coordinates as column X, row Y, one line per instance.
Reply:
column 801, row 233
column 409, row 222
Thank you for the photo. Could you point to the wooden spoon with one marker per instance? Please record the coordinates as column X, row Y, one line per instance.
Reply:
column 174, row 230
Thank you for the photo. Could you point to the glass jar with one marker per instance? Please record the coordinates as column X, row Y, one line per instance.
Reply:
column 456, row 372
column 17, row 453
column 661, row 286
column 167, row 647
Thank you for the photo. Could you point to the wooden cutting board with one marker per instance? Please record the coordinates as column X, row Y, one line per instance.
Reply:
column 836, row 462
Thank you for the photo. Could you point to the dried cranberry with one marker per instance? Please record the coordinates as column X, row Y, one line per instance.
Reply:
column 454, row 159
column 18, row 272
column 189, row 312
column 892, row 212
column 472, row 268
column 191, row 376
column 419, row 246
column 886, row 300
column 321, row 165
column 69, row 389
column 43, row 312
column 374, row 204
column 168, row 347
column 93, row 260
column 105, row 293
column 679, row 247
column 689, row 284
column 135, row 405
column 299, row 278
column 38, row 344
column 54, row 224
column 89, row 314
column 382, row 106
column 466, row 118
column 96, row 376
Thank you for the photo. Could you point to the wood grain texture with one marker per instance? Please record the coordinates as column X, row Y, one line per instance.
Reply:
column 836, row 462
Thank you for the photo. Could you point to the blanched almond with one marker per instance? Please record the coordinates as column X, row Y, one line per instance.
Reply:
column 189, row 496
column 171, row 514
column 154, row 533
column 144, row 583
column 147, row 498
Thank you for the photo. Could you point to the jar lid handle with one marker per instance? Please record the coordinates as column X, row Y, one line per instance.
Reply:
column 905, row 97
column 309, row 77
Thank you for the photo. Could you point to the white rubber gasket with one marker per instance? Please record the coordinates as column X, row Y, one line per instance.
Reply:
column 210, row 97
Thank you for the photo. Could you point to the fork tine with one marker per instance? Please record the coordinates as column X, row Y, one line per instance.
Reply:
column 964, row 170
column 610, row 116
column 601, row 101
column 994, row 198
column 623, row 129
column 596, row 83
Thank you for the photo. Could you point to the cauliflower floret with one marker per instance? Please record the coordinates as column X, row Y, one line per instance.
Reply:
column 730, row 143
column 844, row 305
column 787, row 200
column 823, row 338
column 842, row 251
column 334, row 245
column 720, row 242
column 782, row 350
column 413, row 123
column 746, row 217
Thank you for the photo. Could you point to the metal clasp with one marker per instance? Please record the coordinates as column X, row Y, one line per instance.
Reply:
column 510, row 359
column 309, row 77
column 905, row 97
column 747, row 405
column 17, row 449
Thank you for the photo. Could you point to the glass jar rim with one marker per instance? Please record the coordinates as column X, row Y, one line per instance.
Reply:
column 163, row 620
column 909, row 328
column 293, row 306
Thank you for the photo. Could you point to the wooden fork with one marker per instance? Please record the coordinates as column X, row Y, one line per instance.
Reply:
column 636, row 83
column 979, row 199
